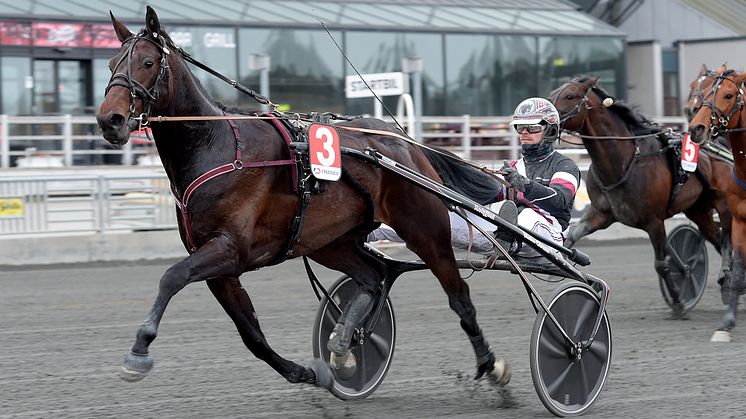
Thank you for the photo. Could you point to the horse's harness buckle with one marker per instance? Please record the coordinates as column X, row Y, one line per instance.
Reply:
column 238, row 164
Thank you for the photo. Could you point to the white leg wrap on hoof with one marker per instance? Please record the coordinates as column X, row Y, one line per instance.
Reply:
column 721, row 336
column 502, row 373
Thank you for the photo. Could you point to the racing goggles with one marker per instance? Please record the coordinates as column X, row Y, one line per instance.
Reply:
column 532, row 128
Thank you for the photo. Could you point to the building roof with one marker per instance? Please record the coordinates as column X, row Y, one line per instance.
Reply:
column 497, row 16
column 731, row 14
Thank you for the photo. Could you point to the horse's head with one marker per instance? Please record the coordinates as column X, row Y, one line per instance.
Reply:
column 723, row 101
column 572, row 101
column 139, row 77
column 697, row 88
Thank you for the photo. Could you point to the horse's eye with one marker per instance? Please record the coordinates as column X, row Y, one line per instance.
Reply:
column 149, row 63
column 569, row 97
column 729, row 96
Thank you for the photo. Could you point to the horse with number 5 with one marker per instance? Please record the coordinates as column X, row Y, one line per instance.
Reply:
column 722, row 115
column 633, row 179
column 241, row 207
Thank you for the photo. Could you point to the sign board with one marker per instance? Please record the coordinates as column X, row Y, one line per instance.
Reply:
column 689, row 154
column 326, row 161
column 11, row 207
column 384, row 84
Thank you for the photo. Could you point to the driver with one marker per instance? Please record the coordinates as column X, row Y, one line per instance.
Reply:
column 545, row 182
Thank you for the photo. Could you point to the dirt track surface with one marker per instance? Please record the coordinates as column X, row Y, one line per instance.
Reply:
column 65, row 330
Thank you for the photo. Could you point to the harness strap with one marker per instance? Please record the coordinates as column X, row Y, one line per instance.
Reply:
column 238, row 164
column 740, row 183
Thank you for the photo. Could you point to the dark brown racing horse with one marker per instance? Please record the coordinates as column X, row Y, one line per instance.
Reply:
column 233, row 181
column 722, row 115
column 631, row 178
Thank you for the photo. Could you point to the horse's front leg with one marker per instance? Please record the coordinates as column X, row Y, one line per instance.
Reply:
column 237, row 303
column 593, row 219
column 216, row 258
column 738, row 285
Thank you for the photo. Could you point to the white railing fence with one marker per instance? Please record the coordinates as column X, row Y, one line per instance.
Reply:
column 33, row 204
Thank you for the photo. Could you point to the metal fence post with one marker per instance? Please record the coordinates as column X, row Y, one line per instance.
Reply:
column 514, row 144
column 4, row 142
column 466, row 136
column 101, row 198
column 67, row 140
column 128, row 154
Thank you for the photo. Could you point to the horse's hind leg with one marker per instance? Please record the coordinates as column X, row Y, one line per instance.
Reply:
column 217, row 258
column 430, row 239
column 237, row 303
column 657, row 233
column 348, row 255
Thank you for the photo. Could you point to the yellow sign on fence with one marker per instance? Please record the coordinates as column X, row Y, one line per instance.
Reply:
column 11, row 207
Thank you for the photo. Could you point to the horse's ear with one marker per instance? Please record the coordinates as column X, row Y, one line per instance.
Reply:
column 723, row 67
column 592, row 80
column 121, row 30
column 703, row 69
column 152, row 23
column 741, row 79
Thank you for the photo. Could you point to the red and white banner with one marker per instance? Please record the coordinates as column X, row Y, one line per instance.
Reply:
column 326, row 161
column 689, row 154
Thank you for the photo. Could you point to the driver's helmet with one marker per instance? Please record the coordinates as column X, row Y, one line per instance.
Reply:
column 538, row 111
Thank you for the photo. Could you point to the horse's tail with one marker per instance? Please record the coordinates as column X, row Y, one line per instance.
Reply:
column 463, row 177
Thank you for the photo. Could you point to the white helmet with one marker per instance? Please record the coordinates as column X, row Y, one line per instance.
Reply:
column 538, row 110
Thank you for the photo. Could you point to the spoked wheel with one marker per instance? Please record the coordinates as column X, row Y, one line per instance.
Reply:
column 373, row 356
column 690, row 279
column 566, row 384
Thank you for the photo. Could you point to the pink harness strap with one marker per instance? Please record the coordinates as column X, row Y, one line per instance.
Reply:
column 237, row 164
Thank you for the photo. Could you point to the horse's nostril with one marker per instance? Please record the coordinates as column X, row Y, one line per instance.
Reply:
column 116, row 121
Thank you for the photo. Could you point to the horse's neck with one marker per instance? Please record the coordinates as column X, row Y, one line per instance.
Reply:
column 188, row 149
column 737, row 142
column 610, row 157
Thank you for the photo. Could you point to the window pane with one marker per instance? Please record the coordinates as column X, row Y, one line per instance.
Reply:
column 380, row 52
column 17, row 85
column 489, row 74
column 563, row 57
column 305, row 70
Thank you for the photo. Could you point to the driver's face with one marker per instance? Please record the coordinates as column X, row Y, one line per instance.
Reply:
column 528, row 138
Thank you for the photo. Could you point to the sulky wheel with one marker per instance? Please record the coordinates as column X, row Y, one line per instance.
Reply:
column 373, row 356
column 566, row 384
column 688, row 266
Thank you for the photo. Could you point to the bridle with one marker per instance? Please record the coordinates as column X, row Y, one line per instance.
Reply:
column 719, row 121
column 577, row 109
column 697, row 94
column 148, row 96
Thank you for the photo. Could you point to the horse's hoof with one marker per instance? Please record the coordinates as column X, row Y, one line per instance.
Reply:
column 721, row 336
column 678, row 312
column 502, row 373
column 344, row 366
column 324, row 375
column 135, row 367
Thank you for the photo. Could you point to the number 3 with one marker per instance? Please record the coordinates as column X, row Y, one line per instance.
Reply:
column 324, row 134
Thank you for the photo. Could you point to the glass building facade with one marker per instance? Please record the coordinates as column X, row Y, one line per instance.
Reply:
column 480, row 57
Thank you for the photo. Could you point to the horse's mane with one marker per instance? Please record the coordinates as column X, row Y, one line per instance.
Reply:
column 637, row 123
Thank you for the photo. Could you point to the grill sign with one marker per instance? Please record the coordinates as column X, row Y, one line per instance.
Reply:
column 326, row 163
